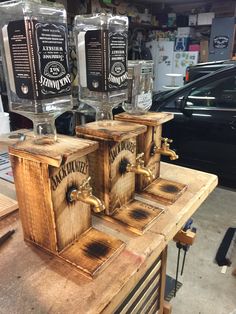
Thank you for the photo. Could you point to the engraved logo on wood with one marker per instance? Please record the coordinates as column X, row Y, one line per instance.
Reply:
column 70, row 167
column 125, row 145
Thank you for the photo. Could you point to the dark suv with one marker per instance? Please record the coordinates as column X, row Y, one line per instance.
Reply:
column 196, row 71
column 204, row 125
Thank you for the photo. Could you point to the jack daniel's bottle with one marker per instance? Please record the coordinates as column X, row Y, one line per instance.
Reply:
column 35, row 54
column 101, row 42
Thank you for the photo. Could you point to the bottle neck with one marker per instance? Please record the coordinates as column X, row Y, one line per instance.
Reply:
column 45, row 131
column 104, row 112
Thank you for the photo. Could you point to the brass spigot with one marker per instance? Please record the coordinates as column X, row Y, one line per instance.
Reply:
column 84, row 194
column 165, row 149
column 139, row 168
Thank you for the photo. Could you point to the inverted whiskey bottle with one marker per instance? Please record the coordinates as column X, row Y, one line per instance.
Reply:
column 35, row 57
column 101, row 42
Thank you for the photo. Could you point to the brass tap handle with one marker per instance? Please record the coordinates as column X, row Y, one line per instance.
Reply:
column 84, row 194
column 166, row 140
column 85, row 185
column 84, row 188
column 139, row 159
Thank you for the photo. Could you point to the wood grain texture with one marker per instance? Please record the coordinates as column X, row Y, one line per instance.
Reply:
column 36, row 280
column 13, row 137
column 35, row 203
column 167, row 308
column 122, row 185
column 184, row 207
column 64, row 150
column 145, row 143
column 92, row 251
column 114, row 131
column 112, row 186
column 136, row 216
column 163, row 279
column 7, row 205
column 149, row 118
column 100, row 174
column 71, row 219
column 164, row 191
column 48, row 219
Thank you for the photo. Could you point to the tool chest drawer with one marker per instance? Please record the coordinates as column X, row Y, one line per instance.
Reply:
column 144, row 298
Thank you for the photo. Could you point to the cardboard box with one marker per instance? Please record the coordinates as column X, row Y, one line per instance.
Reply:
column 204, row 46
column 185, row 31
column 205, row 18
column 192, row 20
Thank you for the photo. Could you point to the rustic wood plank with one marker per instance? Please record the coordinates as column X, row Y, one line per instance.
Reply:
column 146, row 143
column 167, row 309
column 14, row 136
column 71, row 219
column 100, row 174
column 113, row 186
column 35, row 204
column 64, row 150
column 93, row 251
column 7, row 205
column 163, row 279
column 149, row 118
column 136, row 216
column 37, row 280
column 8, row 189
column 114, row 131
column 200, row 185
column 164, row 191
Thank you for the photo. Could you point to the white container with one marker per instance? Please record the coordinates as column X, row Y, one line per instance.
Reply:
column 185, row 32
column 192, row 20
column 140, row 86
column 4, row 123
column 205, row 18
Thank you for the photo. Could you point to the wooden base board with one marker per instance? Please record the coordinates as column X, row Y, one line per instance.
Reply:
column 164, row 191
column 7, row 205
column 92, row 252
column 135, row 216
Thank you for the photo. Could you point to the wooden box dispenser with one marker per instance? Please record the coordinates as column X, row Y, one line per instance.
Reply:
column 154, row 145
column 113, row 167
column 55, row 202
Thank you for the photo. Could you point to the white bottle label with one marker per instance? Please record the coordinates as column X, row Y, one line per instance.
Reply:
column 144, row 100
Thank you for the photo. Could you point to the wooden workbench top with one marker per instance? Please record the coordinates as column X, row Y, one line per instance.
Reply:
column 32, row 281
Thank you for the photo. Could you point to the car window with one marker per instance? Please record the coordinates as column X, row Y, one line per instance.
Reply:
column 170, row 105
column 220, row 93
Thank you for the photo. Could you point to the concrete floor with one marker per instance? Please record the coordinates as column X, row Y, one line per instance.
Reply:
column 205, row 289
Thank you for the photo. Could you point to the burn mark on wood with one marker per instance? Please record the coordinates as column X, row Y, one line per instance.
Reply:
column 123, row 165
column 68, row 193
column 96, row 249
column 169, row 188
column 153, row 149
column 138, row 214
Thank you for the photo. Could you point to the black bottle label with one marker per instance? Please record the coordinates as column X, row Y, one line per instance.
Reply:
column 39, row 59
column 106, row 60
